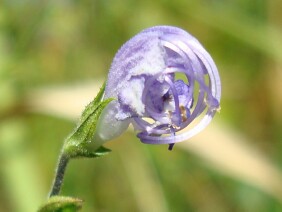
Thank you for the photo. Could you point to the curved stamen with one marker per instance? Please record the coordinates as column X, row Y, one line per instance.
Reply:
column 200, row 102
column 178, row 138
column 200, row 106
column 198, row 66
column 175, row 97
column 151, row 128
column 207, row 61
column 190, row 78
column 182, row 48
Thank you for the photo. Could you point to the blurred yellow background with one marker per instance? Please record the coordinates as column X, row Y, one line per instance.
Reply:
column 54, row 55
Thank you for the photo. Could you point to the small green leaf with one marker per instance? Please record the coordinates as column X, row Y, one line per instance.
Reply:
column 61, row 204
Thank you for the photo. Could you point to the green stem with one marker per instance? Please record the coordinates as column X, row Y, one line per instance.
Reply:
column 59, row 176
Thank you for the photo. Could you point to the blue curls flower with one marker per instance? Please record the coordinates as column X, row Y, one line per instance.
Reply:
column 162, row 80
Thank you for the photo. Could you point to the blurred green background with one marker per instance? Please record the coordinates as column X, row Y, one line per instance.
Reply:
column 47, row 44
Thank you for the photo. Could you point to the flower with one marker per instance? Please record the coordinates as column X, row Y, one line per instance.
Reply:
column 162, row 80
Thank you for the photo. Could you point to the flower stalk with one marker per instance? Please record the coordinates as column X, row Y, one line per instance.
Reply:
column 59, row 175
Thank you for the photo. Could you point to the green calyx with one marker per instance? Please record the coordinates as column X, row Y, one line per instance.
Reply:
column 78, row 143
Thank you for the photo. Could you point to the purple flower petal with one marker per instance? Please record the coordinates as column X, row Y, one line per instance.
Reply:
column 163, row 80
